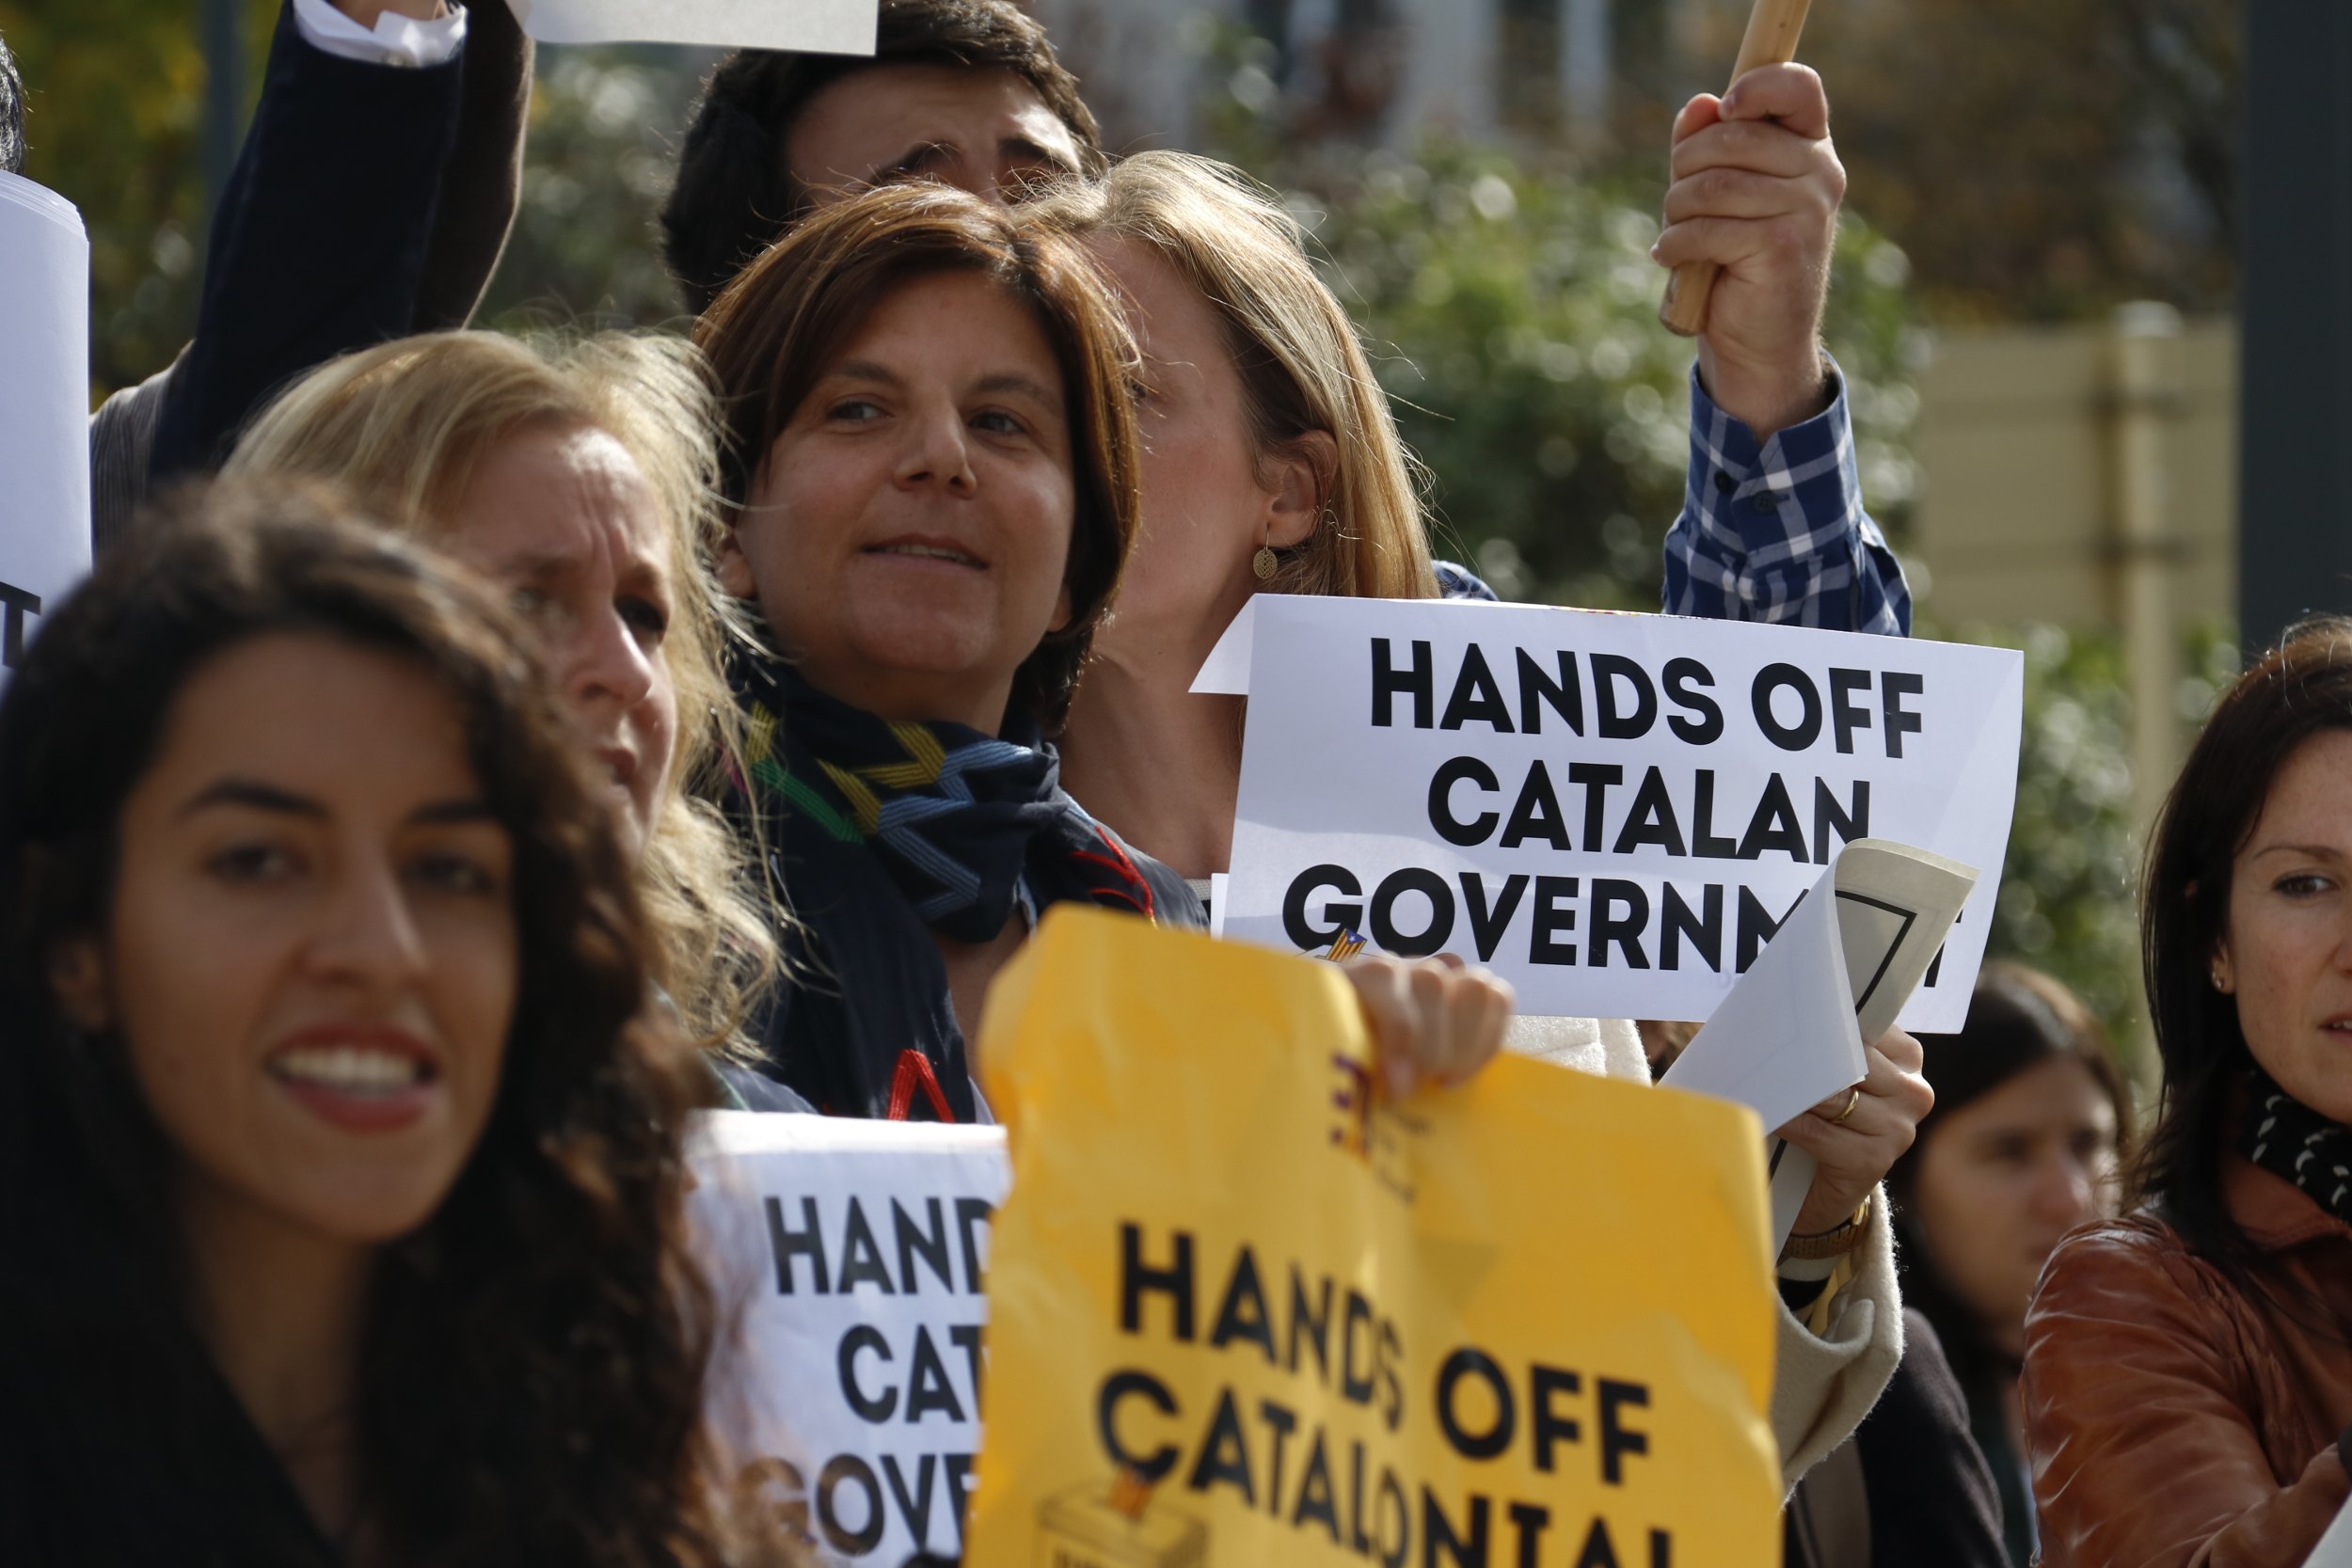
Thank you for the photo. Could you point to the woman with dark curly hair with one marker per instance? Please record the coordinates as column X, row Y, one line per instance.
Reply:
column 340, row 1169
column 2188, row 1389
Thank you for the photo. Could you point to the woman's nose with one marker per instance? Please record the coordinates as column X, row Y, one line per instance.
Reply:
column 604, row 665
column 369, row 935
column 937, row 451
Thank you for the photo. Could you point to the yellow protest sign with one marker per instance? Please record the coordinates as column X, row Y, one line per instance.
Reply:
column 1241, row 1310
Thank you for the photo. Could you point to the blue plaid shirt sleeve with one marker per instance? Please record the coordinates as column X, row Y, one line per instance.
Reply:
column 1777, row 532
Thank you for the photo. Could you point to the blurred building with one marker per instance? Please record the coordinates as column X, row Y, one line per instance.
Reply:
column 1385, row 69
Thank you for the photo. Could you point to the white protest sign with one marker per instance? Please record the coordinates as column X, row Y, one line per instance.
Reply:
column 45, row 408
column 810, row 26
column 1614, row 812
column 851, row 1256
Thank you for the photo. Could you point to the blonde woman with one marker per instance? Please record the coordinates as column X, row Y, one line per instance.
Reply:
column 1270, row 464
column 580, row 478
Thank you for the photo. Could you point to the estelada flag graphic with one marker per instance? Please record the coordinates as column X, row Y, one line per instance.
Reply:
column 1244, row 1310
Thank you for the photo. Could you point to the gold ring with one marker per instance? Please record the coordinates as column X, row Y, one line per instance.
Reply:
column 1853, row 1098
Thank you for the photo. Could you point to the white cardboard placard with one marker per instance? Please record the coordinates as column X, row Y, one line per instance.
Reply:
column 811, row 26
column 1613, row 812
column 850, row 1257
column 45, row 408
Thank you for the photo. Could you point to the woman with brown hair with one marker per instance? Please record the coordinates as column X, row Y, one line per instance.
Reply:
column 933, row 458
column 578, row 477
column 2187, row 1387
column 340, row 1170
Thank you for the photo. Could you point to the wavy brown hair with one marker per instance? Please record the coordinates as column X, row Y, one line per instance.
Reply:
column 778, row 327
column 531, row 1366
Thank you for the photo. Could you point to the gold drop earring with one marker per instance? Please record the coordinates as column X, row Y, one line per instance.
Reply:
column 1265, row 563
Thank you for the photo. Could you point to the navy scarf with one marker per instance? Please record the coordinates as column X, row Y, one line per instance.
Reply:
column 880, row 833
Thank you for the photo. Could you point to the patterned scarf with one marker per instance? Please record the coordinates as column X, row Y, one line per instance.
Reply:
column 2292, row 1141
column 957, row 817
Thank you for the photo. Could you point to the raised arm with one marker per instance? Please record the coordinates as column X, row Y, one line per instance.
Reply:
column 1773, row 526
column 324, row 236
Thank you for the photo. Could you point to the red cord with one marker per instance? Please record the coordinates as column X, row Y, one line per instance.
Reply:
column 913, row 1070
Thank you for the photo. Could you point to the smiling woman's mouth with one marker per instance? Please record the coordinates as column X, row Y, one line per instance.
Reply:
column 929, row 552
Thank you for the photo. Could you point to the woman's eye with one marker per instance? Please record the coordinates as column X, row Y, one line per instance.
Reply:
column 451, row 872
column 2302, row 884
column 247, row 863
column 648, row 619
column 531, row 604
column 997, row 423
column 854, row 410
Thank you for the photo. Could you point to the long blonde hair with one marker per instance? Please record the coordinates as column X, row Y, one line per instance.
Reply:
column 1302, row 366
column 402, row 426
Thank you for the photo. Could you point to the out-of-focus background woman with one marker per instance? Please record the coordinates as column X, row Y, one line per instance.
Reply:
column 2031, row 1115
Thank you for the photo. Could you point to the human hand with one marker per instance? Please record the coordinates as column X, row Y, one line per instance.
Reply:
column 1432, row 1019
column 1855, row 1153
column 365, row 11
column 1757, row 187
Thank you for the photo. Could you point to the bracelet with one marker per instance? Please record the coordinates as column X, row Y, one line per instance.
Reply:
column 1835, row 1242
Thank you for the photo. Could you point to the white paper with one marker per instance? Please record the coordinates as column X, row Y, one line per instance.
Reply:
column 1528, row 860
column 852, row 1398
column 45, row 408
column 1786, row 1039
column 1227, row 672
column 2335, row 1547
column 810, row 26
column 1792, row 1032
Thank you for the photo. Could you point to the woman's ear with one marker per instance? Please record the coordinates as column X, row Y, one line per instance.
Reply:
column 735, row 567
column 2223, row 972
column 77, row 979
column 1305, row 475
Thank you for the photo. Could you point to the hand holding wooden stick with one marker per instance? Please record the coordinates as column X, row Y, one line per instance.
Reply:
column 1772, row 39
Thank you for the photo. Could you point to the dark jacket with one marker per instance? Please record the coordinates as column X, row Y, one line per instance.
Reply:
column 369, row 201
column 1910, row 1489
column 2177, row 1418
column 864, row 983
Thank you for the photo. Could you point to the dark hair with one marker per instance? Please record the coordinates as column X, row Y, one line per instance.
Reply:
column 2300, row 688
column 2018, row 1019
column 11, row 113
column 532, row 1367
column 779, row 326
column 735, row 193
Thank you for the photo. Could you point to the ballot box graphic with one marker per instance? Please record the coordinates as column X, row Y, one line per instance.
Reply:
column 1095, row 1524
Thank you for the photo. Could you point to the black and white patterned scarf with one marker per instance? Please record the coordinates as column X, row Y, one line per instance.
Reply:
column 2292, row 1141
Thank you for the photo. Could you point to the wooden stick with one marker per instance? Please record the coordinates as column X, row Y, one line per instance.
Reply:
column 1772, row 39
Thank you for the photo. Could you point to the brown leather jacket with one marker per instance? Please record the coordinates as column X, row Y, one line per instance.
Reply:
column 2174, row 1420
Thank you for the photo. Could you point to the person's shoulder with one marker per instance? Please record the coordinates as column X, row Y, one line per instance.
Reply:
column 1173, row 902
column 1460, row 582
column 2130, row 1262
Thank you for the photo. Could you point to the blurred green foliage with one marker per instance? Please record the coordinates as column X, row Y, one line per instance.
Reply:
column 1511, row 305
column 586, row 246
column 114, row 93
